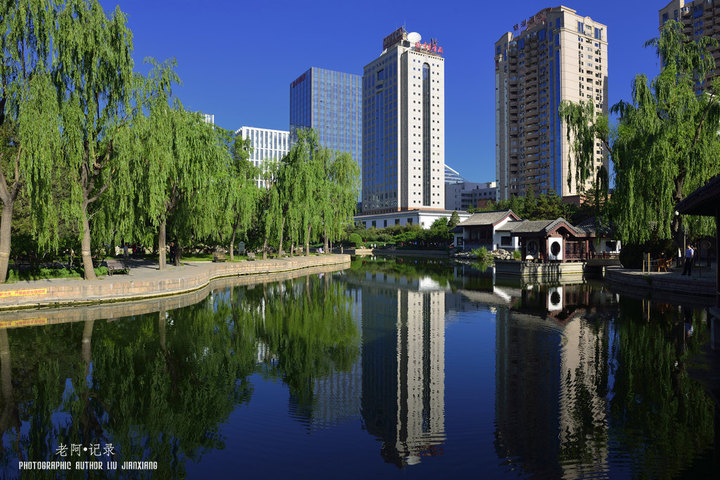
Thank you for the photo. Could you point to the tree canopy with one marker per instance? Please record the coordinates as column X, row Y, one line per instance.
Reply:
column 666, row 140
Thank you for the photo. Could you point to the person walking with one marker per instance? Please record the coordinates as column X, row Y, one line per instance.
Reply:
column 689, row 255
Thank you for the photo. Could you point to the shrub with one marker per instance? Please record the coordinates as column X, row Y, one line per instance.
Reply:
column 481, row 254
column 517, row 255
column 355, row 239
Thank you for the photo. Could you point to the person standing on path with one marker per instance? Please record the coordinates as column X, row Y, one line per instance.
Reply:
column 689, row 254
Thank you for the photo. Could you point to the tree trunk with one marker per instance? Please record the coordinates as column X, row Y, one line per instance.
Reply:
column 161, row 328
column 265, row 247
column 232, row 245
column 85, row 246
column 9, row 413
column 87, row 345
column 307, row 240
column 178, row 253
column 282, row 233
column 5, row 237
column 292, row 249
column 326, row 243
column 162, row 234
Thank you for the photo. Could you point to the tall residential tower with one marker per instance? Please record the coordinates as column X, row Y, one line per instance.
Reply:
column 699, row 17
column 553, row 56
column 404, row 126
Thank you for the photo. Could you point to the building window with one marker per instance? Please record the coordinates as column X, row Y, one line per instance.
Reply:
column 580, row 27
column 426, row 134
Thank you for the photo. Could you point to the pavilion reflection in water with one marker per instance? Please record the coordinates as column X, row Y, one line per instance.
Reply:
column 545, row 392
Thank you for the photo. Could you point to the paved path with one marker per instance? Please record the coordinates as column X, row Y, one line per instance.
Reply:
column 145, row 281
column 671, row 286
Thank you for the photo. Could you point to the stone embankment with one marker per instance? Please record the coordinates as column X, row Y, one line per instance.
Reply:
column 147, row 282
column 499, row 254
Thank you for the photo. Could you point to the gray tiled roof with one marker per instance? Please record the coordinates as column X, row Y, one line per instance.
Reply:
column 541, row 226
column 486, row 218
column 594, row 226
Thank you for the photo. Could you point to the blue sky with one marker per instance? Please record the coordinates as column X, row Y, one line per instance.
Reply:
column 236, row 59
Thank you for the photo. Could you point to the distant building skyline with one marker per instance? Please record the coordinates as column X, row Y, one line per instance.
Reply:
column 452, row 176
column 465, row 195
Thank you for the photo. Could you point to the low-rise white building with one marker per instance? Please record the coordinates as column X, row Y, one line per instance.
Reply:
column 422, row 217
column 491, row 230
column 267, row 144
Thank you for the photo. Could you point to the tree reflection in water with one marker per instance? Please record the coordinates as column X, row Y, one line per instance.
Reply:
column 158, row 386
column 584, row 385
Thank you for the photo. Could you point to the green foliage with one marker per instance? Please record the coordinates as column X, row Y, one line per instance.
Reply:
column 355, row 239
column 546, row 206
column 481, row 254
column 517, row 255
column 454, row 220
column 665, row 144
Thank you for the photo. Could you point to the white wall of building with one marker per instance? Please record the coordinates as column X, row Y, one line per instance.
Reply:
column 270, row 145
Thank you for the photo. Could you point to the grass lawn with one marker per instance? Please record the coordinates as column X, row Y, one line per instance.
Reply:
column 45, row 273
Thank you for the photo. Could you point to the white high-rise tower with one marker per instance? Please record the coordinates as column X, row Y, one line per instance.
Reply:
column 404, row 126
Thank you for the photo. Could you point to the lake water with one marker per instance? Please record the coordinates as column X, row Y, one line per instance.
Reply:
column 390, row 369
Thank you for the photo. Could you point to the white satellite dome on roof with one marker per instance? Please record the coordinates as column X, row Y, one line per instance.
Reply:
column 414, row 37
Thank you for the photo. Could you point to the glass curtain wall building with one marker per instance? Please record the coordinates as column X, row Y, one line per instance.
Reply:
column 329, row 102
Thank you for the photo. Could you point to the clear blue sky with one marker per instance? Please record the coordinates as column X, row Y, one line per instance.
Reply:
column 237, row 59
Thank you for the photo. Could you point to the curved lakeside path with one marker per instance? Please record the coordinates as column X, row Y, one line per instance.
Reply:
column 666, row 286
column 146, row 281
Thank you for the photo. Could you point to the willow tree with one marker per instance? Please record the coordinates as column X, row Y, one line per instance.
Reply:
column 241, row 192
column 149, row 146
column 666, row 143
column 29, row 130
column 341, row 181
column 191, row 185
column 94, row 79
column 270, row 214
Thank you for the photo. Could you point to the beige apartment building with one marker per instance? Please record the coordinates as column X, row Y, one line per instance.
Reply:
column 700, row 18
column 552, row 56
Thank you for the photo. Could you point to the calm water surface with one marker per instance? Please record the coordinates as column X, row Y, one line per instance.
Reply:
column 392, row 368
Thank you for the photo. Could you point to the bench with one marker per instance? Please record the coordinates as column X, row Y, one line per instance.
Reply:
column 251, row 255
column 219, row 257
column 115, row 266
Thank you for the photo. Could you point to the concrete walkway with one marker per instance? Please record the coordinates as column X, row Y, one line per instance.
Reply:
column 145, row 281
column 670, row 286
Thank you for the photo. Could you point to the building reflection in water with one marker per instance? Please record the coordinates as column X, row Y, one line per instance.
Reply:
column 545, row 392
column 403, row 365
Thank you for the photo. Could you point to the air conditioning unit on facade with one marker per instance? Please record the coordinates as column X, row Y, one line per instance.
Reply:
column 555, row 299
column 555, row 250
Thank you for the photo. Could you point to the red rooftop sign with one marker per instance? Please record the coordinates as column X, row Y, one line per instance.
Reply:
column 429, row 47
